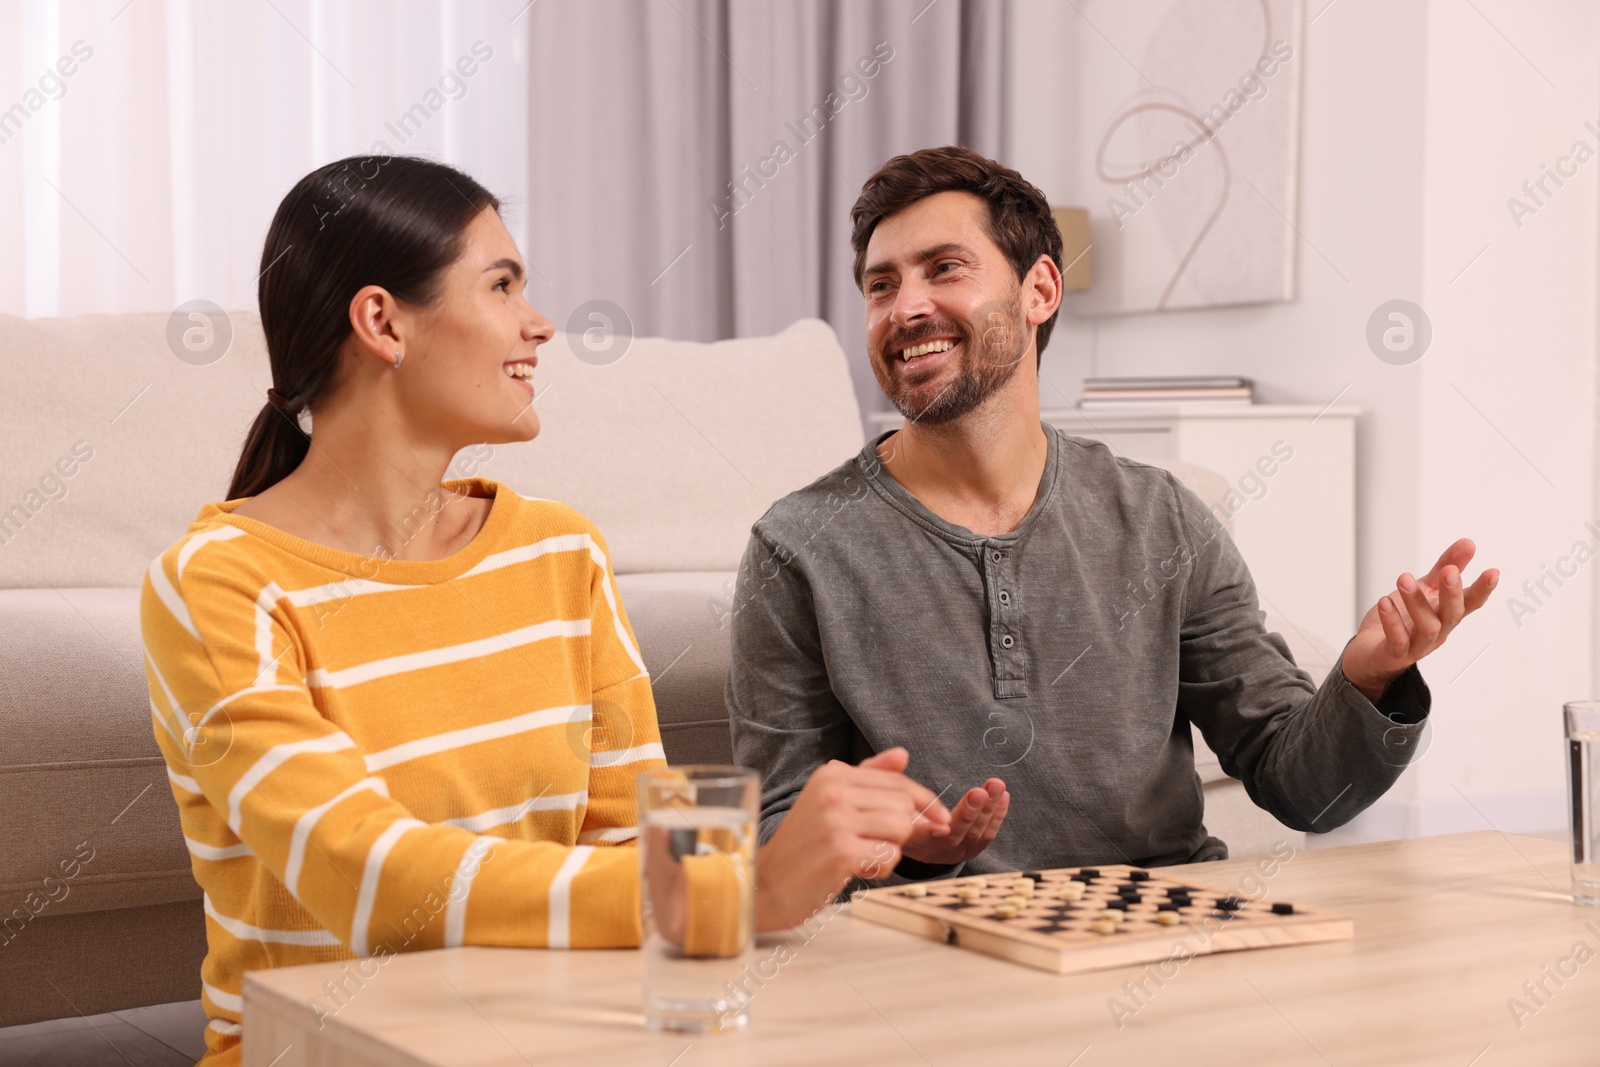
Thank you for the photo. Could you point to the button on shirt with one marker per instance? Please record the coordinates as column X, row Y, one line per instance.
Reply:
column 1067, row 657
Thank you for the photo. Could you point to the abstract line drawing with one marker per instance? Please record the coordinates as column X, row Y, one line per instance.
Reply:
column 1186, row 135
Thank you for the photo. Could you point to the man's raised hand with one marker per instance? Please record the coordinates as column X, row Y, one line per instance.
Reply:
column 1407, row 624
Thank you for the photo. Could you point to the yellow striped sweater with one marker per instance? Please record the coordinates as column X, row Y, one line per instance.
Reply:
column 374, row 755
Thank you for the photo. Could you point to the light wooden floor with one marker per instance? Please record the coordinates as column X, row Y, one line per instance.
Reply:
column 165, row 1035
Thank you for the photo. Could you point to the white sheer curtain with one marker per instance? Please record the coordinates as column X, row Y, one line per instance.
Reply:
column 147, row 175
column 144, row 144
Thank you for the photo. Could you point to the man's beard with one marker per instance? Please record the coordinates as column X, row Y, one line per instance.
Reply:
column 988, row 362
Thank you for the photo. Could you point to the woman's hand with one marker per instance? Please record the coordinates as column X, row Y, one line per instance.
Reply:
column 847, row 822
column 664, row 886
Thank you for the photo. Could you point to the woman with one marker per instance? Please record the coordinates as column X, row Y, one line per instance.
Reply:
column 373, row 690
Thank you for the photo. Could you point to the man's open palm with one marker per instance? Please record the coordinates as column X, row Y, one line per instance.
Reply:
column 974, row 822
column 1407, row 624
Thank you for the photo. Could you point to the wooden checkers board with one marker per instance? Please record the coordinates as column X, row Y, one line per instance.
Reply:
column 1041, row 929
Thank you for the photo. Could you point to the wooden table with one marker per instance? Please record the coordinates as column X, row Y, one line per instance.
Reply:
column 1448, row 930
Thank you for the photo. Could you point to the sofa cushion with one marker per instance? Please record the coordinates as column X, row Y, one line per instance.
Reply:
column 82, row 783
column 104, row 961
column 681, row 621
column 155, row 438
column 674, row 450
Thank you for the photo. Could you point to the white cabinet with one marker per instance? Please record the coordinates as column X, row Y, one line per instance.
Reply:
column 1291, row 471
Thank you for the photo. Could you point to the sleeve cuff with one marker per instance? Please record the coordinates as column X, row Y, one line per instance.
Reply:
column 718, row 911
column 1395, row 726
column 1406, row 701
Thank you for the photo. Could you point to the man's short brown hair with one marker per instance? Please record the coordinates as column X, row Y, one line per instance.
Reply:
column 1019, row 221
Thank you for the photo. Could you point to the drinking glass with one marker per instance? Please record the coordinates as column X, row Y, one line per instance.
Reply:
column 1583, row 794
column 697, row 850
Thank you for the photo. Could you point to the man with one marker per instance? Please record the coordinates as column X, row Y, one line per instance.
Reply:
column 959, row 588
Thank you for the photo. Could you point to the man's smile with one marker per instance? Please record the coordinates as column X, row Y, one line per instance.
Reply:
column 942, row 344
column 925, row 355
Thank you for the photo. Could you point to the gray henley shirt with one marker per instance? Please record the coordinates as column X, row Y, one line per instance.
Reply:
column 1067, row 657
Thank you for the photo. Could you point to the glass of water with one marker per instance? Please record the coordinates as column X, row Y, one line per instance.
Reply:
column 1583, row 794
column 697, row 852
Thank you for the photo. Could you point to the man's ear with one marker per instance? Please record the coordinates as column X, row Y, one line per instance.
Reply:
column 1043, row 290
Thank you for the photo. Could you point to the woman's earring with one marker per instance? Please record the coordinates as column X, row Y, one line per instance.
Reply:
column 397, row 359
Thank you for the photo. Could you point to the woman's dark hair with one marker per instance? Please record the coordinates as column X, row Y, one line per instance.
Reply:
column 392, row 221
column 1020, row 220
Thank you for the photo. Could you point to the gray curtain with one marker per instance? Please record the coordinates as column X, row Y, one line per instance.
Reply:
column 694, row 161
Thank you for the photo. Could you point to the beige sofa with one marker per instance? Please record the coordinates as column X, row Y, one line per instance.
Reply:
column 112, row 443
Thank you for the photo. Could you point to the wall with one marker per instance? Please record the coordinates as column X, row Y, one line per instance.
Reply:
column 1507, row 410
column 1417, row 122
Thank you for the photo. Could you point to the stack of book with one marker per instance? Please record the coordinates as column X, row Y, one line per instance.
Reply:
column 1101, row 394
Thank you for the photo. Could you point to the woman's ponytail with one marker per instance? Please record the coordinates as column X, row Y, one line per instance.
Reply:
column 274, row 447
